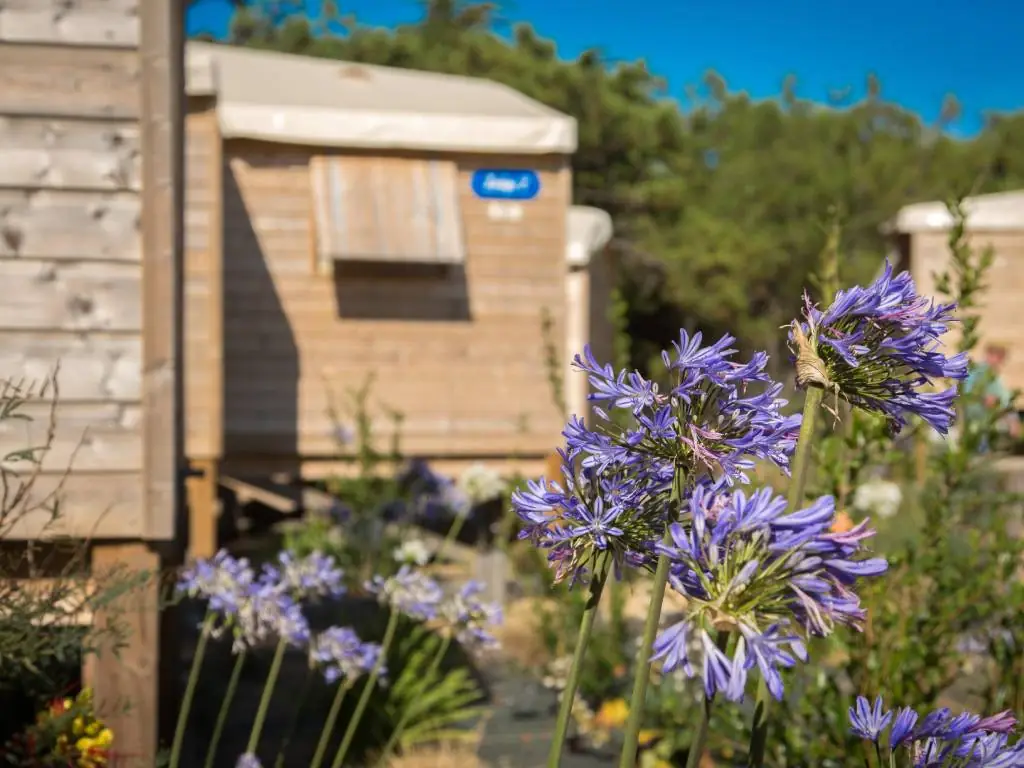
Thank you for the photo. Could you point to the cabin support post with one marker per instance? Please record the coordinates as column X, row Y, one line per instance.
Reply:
column 203, row 506
column 126, row 681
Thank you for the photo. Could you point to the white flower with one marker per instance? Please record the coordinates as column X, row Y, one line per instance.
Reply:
column 413, row 552
column 480, row 483
column 878, row 497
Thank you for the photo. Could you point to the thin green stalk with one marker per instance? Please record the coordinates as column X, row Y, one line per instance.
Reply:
column 268, row 692
column 700, row 736
column 631, row 736
column 602, row 565
column 294, row 722
column 453, row 534
column 225, row 707
column 413, row 708
column 332, row 718
column 797, row 486
column 190, row 688
column 364, row 698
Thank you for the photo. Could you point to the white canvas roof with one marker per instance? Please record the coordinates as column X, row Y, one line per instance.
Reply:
column 999, row 211
column 303, row 100
column 589, row 230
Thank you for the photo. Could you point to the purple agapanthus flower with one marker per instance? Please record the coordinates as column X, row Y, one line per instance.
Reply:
column 940, row 738
column 341, row 655
column 409, row 591
column 223, row 580
column 312, row 576
column 717, row 416
column 878, row 347
column 747, row 565
column 470, row 620
column 617, row 510
column 268, row 614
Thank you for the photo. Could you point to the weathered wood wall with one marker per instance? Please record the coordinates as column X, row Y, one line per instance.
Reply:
column 1000, row 314
column 468, row 386
column 70, row 257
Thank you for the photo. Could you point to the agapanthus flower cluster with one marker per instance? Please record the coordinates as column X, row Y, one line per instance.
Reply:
column 259, row 607
column 764, row 575
column 480, row 483
column 940, row 739
column 341, row 655
column 470, row 620
column 224, row 581
column 878, row 347
column 409, row 591
column 303, row 578
column 717, row 417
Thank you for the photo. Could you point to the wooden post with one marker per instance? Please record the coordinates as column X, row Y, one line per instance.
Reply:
column 203, row 508
column 126, row 683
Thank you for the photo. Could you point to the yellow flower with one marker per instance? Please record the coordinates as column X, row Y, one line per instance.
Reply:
column 105, row 738
column 93, row 728
column 613, row 713
column 647, row 735
column 68, row 704
column 78, row 726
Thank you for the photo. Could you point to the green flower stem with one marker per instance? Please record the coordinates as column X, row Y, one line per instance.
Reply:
column 371, row 683
column 453, row 534
column 268, row 692
column 294, row 722
column 332, row 719
column 190, row 688
column 225, row 707
column 602, row 564
column 631, row 736
column 412, row 709
column 797, row 487
column 700, row 736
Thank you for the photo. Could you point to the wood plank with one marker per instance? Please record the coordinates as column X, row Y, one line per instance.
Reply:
column 92, row 367
column 74, row 154
column 70, row 296
column 127, row 684
column 64, row 81
column 162, row 125
column 69, row 225
column 109, row 23
column 93, row 437
column 91, row 506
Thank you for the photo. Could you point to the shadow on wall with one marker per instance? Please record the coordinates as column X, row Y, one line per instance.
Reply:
column 261, row 359
column 376, row 290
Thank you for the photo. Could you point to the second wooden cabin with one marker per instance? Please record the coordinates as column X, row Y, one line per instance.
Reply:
column 346, row 220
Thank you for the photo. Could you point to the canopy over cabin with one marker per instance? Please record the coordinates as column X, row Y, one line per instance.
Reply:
column 922, row 233
column 347, row 220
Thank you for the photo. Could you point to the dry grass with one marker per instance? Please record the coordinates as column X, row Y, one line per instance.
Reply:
column 439, row 757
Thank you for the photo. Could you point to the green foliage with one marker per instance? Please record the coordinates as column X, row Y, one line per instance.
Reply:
column 443, row 701
column 44, row 586
column 705, row 198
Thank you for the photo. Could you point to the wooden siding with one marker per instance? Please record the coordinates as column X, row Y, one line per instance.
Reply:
column 71, row 221
column 458, row 350
column 203, row 288
column 1000, row 314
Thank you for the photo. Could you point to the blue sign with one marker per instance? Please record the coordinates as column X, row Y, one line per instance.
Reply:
column 511, row 184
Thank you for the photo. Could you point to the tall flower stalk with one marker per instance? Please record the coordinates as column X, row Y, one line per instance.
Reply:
column 225, row 708
column 190, row 688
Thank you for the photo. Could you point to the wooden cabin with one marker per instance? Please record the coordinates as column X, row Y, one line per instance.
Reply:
column 921, row 233
column 346, row 220
column 90, row 258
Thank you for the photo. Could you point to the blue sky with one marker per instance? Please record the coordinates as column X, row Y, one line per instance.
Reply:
column 920, row 49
